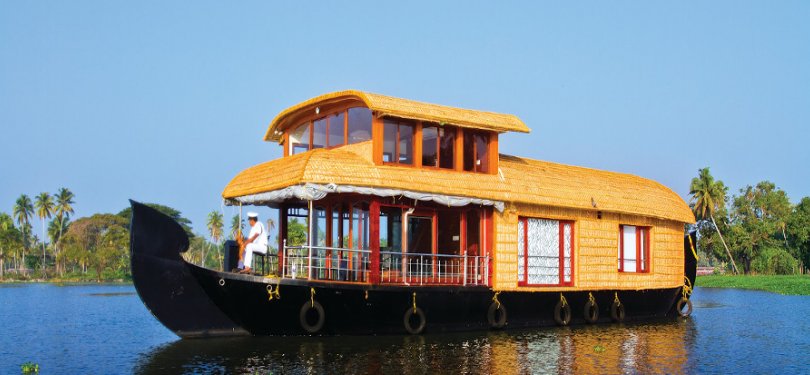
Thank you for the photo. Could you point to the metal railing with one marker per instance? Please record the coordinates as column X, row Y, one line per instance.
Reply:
column 399, row 268
column 354, row 265
column 326, row 263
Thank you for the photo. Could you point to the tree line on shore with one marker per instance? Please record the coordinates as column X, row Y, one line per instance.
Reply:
column 758, row 230
column 93, row 248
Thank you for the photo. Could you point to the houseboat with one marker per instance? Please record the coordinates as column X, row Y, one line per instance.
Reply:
column 398, row 216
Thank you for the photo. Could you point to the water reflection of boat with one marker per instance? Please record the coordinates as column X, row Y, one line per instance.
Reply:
column 603, row 349
column 415, row 223
column 649, row 348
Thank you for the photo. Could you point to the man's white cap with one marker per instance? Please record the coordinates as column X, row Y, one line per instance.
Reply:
column 253, row 215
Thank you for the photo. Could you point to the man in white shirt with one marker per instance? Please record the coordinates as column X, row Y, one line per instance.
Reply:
column 256, row 240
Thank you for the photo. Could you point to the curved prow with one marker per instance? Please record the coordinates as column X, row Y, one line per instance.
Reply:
column 690, row 256
column 163, row 281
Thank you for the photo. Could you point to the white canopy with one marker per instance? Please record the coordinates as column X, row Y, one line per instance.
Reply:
column 316, row 192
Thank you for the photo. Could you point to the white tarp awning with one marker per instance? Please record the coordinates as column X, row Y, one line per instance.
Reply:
column 316, row 192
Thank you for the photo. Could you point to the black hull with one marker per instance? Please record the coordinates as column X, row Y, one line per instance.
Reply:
column 193, row 301
column 163, row 281
column 366, row 309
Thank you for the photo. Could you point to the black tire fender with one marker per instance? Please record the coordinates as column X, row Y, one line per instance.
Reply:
column 591, row 311
column 407, row 320
column 498, row 321
column 617, row 312
column 688, row 303
column 302, row 316
column 562, row 313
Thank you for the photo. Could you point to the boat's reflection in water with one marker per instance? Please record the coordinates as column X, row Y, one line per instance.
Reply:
column 602, row 349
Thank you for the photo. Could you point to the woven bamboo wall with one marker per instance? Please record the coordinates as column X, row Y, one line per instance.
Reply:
column 596, row 248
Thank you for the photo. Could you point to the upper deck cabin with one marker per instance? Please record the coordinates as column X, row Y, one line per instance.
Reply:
column 393, row 191
column 401, row 132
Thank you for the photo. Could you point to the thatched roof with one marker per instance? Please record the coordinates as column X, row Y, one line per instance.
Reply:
column 396, row 107
column 519, row 180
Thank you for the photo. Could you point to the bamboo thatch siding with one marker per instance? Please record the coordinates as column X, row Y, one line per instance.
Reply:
column 596, row 248
column 404, row 108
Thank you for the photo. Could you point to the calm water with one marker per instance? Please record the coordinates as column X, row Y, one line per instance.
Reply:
column 106, row 330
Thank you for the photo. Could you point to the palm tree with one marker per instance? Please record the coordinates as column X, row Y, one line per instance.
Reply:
column 44, row 205
column 215, row 227
column 63, row 210
column 23, row 209
column 236, row 226
column 271, row 226
column 709, row 196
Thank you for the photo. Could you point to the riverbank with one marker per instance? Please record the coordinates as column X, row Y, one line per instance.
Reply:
column 797, row 285
column 67, row 282
column 69, row 278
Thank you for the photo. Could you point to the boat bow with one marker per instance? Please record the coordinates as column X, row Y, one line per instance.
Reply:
column 163, row 281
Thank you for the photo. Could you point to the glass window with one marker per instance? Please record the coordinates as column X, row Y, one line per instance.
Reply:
column 319, row 133
column 360, row 226
column 448, row 144
column 359, row 125
column 473, row 232
column 469, row 152
column 420, row 235
column 476, row 152
column 481, row 152
column 405, row 144
column 336, row 127
column 299, row 139
column 337, row 233
column 390, row 229
column 319, row 226
column 430, row 146
column 389, row 141
column 634, row 243
column 545, row 248
column 449, row 237
column 397, row 142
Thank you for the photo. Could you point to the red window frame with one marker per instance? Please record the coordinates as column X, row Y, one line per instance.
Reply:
column 442, row 132
column 525, row 260
column 310, row 125
column 646, row 249
column 395, row 158
column 476, row 153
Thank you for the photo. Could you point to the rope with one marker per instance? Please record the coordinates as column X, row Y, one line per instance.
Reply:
column 495, row 299
column 312, row 297
column 591, row 299
column 414, row 303
column 563, row 300
column 271, row 293
column 692, row 246
column 687, row 287
column 616, row 299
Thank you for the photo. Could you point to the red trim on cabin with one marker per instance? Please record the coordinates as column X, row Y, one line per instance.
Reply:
column 621, row 248
column 374, row 237
column 642, row 246
column 561, row 254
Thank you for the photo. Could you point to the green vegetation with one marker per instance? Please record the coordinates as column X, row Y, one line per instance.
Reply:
column 758, row 229
column 85, row 249
column 782, row 284
column 29, row 368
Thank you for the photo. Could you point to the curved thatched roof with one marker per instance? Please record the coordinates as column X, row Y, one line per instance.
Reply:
column 520, row 180
column 404, row 108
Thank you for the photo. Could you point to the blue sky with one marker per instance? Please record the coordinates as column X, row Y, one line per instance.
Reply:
column 166, row 102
